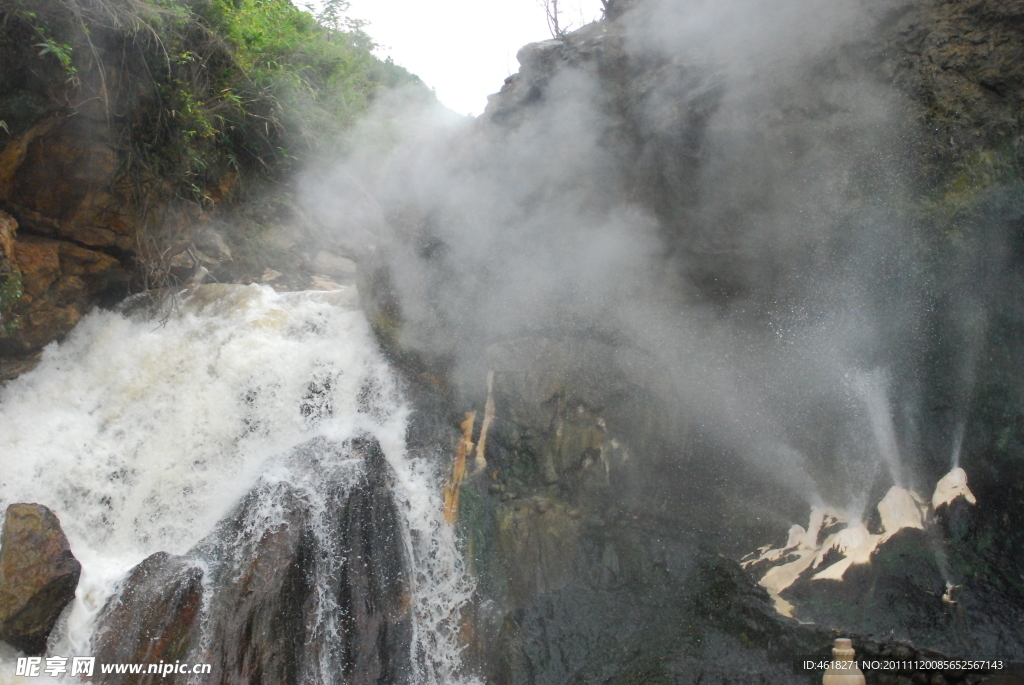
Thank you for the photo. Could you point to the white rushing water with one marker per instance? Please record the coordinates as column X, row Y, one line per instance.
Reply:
column 142, row 435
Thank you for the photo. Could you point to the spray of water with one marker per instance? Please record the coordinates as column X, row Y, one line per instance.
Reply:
column 873, row 388
column 958, row 441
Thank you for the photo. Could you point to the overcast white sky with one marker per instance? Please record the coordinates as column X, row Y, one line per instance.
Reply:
column 463, row 49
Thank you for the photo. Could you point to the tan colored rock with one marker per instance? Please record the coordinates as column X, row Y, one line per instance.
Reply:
column 269, row 276
column 334, row 265
column 318, row 282
column 38, row 260
column 846, row 672
column 951, row 486
column 38, row 576
column 212, row 242
column 899, row 509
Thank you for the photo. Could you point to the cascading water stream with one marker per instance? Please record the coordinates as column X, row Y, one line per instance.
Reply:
column 142, row 435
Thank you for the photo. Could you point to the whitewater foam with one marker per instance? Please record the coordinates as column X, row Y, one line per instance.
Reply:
column 141, row 435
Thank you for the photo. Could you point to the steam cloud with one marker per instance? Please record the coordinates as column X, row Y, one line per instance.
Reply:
column 721, row 187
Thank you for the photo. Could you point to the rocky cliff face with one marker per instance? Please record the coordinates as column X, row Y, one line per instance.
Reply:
column 75, row 229
column 77, row 232
column 800, row 199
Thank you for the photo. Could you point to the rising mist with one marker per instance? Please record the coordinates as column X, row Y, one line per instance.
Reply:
column 726, row 193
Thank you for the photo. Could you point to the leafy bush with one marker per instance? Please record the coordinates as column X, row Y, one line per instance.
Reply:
column 192, row 89
column 10, row 292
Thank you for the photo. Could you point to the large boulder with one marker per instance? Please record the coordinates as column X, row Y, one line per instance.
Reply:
column 155, row 616
column 38, row 576
column 303, row 582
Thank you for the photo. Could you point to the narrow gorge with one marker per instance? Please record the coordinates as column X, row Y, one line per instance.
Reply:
column 699, row 349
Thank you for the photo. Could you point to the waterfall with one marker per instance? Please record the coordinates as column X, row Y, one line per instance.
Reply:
column 142, row 433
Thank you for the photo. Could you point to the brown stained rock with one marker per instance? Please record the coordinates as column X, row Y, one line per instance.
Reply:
column 38, row 576
column 13, row 154
column 44, row 263
column 63, row 181
column 224, row 188
column 86, row 234
column 12, row 367
column 98, row 268
column 8, row 230
column 38, row 260
column 59, row 280
column 63, row 168
column 154, row 617
column 47, row 323
column 60, row 189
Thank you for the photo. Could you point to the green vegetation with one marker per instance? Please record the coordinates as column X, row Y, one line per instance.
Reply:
column 10, row 292
column 192, row 90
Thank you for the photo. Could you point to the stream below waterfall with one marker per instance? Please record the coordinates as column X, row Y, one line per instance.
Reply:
column 142, row 433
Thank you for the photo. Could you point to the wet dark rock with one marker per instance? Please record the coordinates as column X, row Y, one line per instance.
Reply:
column 155, row 615
column 701, row 620
column 373, row 587
column 12, row 367
column 900, row 595
column 956, row 520
column 38, row 576
column 292, row 589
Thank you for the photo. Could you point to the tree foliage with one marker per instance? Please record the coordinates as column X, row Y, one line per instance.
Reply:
column 192, row 89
